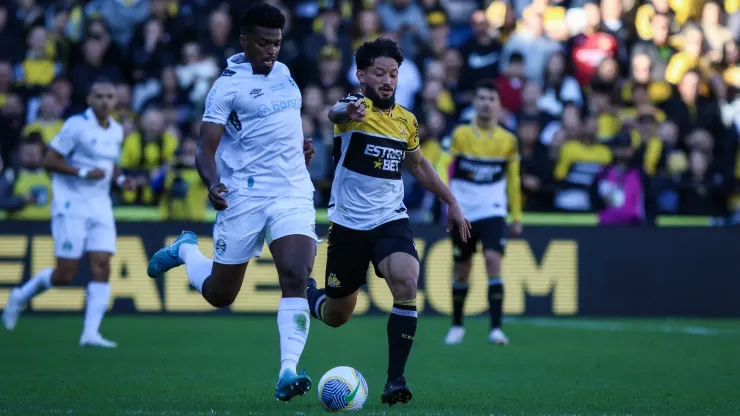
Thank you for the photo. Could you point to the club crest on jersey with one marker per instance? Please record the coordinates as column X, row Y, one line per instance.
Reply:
column 256, row 93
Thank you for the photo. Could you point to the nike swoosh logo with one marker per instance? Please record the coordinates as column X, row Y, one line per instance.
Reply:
column 351, row 397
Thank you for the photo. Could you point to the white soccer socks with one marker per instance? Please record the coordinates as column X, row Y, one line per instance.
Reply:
column 98, row 294
column 197, row 266
column 294, row 320
column 36, row 285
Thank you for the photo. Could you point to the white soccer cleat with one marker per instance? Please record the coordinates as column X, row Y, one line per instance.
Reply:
column 96, row 340
column 455, row 335
column 497, row 336
column 12, row 310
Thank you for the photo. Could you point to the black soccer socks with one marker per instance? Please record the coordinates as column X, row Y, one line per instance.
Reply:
column 401, row 332
column 316, row 299
column 459, row 293
column 496, row 300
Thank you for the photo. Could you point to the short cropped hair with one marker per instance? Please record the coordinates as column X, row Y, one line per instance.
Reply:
column 262, row 15
column 379, row 48
column 486, row 84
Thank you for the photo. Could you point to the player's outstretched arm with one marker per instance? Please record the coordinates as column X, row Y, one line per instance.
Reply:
column 205, row 162
column 349, row 108
column 423, row 171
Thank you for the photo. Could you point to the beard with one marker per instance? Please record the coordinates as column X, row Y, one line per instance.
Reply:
column 380, row 102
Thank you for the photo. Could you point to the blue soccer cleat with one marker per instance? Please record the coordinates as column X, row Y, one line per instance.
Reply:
column 167, row 258
column 291, row 385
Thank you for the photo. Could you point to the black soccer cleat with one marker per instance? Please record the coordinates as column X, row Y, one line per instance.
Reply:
column 396, row 391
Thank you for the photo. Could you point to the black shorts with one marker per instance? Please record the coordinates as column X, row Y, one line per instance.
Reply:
column 489, row 231
column 351, row 251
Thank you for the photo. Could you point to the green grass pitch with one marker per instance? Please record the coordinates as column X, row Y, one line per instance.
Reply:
column 227, row 365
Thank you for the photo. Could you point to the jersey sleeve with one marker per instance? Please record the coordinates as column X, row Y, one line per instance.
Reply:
column 413, row 139
column 513, row 182
column 68, row 137
column 349, row 125
column 220, row 102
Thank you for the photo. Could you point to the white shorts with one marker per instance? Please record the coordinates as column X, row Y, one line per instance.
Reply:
column 241, row 230
column 74, row 235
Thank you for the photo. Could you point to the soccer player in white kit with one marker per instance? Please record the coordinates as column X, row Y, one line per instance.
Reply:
column 82, row 159
column 252, row 157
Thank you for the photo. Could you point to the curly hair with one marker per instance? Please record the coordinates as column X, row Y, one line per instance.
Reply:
column 381, row 47
column 262, row 15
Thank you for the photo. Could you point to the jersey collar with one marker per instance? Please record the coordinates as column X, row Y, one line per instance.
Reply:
column 90, row 115
column 238, row 62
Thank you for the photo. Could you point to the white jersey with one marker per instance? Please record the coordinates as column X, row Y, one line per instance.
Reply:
column 261, row 150
column 84, row 143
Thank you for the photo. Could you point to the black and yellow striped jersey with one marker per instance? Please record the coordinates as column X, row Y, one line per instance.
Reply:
column 579, row 163
column 367, row 190
column 484, row 169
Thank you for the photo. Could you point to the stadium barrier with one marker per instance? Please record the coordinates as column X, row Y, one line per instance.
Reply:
column 562, row 271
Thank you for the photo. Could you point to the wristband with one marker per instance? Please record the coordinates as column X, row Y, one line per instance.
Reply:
column 120, row 180
column 82, row 172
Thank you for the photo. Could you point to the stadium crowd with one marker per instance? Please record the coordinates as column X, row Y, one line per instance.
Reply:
column 573, row 75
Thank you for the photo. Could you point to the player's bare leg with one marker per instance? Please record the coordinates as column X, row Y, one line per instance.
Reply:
column 98, row 296
column 294, row 257
column 401, row 272
column 459, row 294
column 495, row 296
column 62, row 275
column 334, row 312
column 218, row 283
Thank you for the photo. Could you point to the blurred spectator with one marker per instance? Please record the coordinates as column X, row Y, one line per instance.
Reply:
column 559, row 87
column 29, row 13
column 184, row 196
column 48, row 123
column 536, row 166
column 151, row 51
column 171, row 96
column 691, row 56
column 621, row 192
column 531, row 42
column 39, row 68
column 701, row 187
column 123, row 17
column 408, row 19
column 25, row 192
column 12, row 118
column 61, row 88
column 6, row 81
column 511, row 83
column 197, row 73
column 219, row 41
column 82, row 74
column 689, row 110
column 711, row 23
column 590, row 48
column 146, row 154
column 578, row 164
column 326, row 32
column 329, row 72
column 481, row 54
column 12, row 49
column 657, row 46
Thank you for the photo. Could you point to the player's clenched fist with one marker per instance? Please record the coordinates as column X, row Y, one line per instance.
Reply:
column 356, row 111
column 215, row 195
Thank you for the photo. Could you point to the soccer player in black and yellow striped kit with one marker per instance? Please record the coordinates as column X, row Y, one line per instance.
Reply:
column 374, row 139
column 483, row 167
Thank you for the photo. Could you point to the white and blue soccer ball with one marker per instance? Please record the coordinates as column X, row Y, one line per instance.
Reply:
column 342, row 389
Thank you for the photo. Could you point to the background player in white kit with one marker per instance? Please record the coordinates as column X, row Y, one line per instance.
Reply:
column 82, row 159
column 252, row 157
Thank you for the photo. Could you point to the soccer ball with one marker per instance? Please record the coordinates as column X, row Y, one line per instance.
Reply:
column 342, row 389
